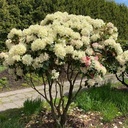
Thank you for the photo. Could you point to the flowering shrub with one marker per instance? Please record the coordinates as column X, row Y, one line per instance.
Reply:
column 64, row 45
column 122, row 71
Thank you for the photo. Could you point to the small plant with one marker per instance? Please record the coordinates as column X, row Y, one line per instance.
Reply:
column 3, row 82
column 32, row 106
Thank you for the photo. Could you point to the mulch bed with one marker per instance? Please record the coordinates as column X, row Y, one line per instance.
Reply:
column 76, row 119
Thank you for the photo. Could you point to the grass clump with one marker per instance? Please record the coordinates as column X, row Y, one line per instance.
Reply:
column 109, row 101
column 109, row 111
column 32, row 106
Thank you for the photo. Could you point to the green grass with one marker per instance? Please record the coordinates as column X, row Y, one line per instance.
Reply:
column 109, row 101
column 32, row 106
column 11, row 119
column 16, row 118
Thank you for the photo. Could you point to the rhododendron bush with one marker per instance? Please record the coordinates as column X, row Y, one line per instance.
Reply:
column 63, row 48
column 122, row 71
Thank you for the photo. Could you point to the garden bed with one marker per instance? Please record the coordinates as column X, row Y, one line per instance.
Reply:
column 78, row 119
column 100, row 107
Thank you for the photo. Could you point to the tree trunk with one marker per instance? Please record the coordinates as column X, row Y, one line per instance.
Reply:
column 63, row 120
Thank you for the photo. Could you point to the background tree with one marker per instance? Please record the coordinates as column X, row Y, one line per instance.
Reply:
column 22, row 13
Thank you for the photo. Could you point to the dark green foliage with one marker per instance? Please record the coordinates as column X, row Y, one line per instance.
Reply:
column 22, row 13
column 124, row 44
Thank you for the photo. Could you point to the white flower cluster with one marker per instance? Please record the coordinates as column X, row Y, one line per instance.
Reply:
column 14, row 32
column 55, row 74
column 123, row 58
column 37, row 62
column 27, row 59
column 111, row 42
column 57, row 38
column 38, row 44
column 18, row 49
column 60, row 51
column 99, row 67
column 94, row 81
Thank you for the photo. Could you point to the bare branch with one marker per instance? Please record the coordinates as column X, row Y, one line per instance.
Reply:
column 33, row 86
column 121, row 80
column 56, row 93
column 45, row 91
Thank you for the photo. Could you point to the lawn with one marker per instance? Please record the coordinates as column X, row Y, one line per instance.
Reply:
column 97, row 107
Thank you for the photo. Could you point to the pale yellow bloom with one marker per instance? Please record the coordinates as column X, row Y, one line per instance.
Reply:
column 38, row 44
column 27, row 59
column 60, row 51
column 18, row 49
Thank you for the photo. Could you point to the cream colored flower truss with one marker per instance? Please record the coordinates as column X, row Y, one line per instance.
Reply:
column 57, row 38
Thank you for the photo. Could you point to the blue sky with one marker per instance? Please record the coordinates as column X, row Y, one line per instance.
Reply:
column 122, row 1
